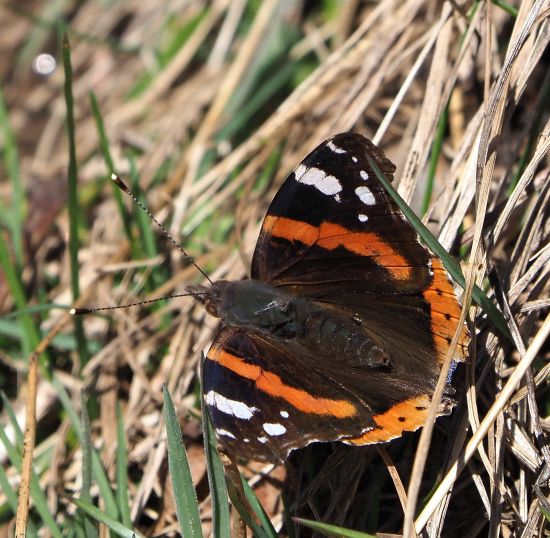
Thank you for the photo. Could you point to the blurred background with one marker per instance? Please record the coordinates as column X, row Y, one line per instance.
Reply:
column 204, row 107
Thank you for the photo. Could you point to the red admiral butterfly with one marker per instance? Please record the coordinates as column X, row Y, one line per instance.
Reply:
column 341, row 331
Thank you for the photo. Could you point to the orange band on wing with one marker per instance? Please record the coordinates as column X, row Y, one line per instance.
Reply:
column 273, row 385
column 330, row 236
column 405, row 416
column 445, row 314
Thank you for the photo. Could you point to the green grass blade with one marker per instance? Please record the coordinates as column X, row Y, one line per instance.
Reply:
column 13, row 419
column 97, row 469
column 6, row 488
column 72, row 177
column 185, row 497
column 255, row 504
column 78, row 527
column 106, row 519
column 9, row 509
column 332, row 530
column 511, row 10
column 434, row 159
column 147, row 235
column 71, row 532
column 11, row 497
column 87, row 450
column 122, row 469
column 221, row 516
column 13, row 329
column 448, row 261
column 30, row 332
column 37, row 495
column 72, row 173
column 104, row 144
column 257, row 531
column 17, row 194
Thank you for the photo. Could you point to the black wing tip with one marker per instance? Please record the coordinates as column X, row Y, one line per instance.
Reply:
column 356, row 142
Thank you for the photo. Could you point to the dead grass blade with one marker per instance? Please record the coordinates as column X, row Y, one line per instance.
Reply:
column 500, row 403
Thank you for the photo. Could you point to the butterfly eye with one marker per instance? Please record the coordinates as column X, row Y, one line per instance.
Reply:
column 212, row 307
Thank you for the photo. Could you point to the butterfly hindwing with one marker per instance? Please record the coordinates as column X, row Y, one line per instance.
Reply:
column 266, row 399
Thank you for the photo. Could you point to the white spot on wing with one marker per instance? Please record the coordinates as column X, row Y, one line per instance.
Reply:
column 228, row 406
column 364, row 175
column 317, row 178
column 362, row 217
column 365, row 195
column 221, row 431
column 332, row 146
column 337, row 197
column 274, row 428
column 354, row 159
column 262, row 440
column 284, row 414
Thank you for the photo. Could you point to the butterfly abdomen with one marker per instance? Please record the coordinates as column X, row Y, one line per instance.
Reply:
column 342, row 338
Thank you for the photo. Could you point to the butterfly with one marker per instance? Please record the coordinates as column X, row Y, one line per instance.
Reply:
column 341, row 331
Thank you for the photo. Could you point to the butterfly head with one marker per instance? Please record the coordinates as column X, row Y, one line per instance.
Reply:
column 209, row 296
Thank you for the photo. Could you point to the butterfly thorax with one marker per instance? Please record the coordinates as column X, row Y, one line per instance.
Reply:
column 269, row 311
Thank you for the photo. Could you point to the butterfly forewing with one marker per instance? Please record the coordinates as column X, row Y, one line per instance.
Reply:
column 332, row 211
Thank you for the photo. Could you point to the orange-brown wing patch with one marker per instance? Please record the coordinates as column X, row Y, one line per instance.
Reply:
column 445, row 314
column 330, row 236
column 273, row 385
column 402, row 417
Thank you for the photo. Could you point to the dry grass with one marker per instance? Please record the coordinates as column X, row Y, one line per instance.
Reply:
column 208, row 106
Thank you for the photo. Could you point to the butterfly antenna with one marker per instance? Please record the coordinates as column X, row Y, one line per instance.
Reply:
column 81, row 311
column 121, row 185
